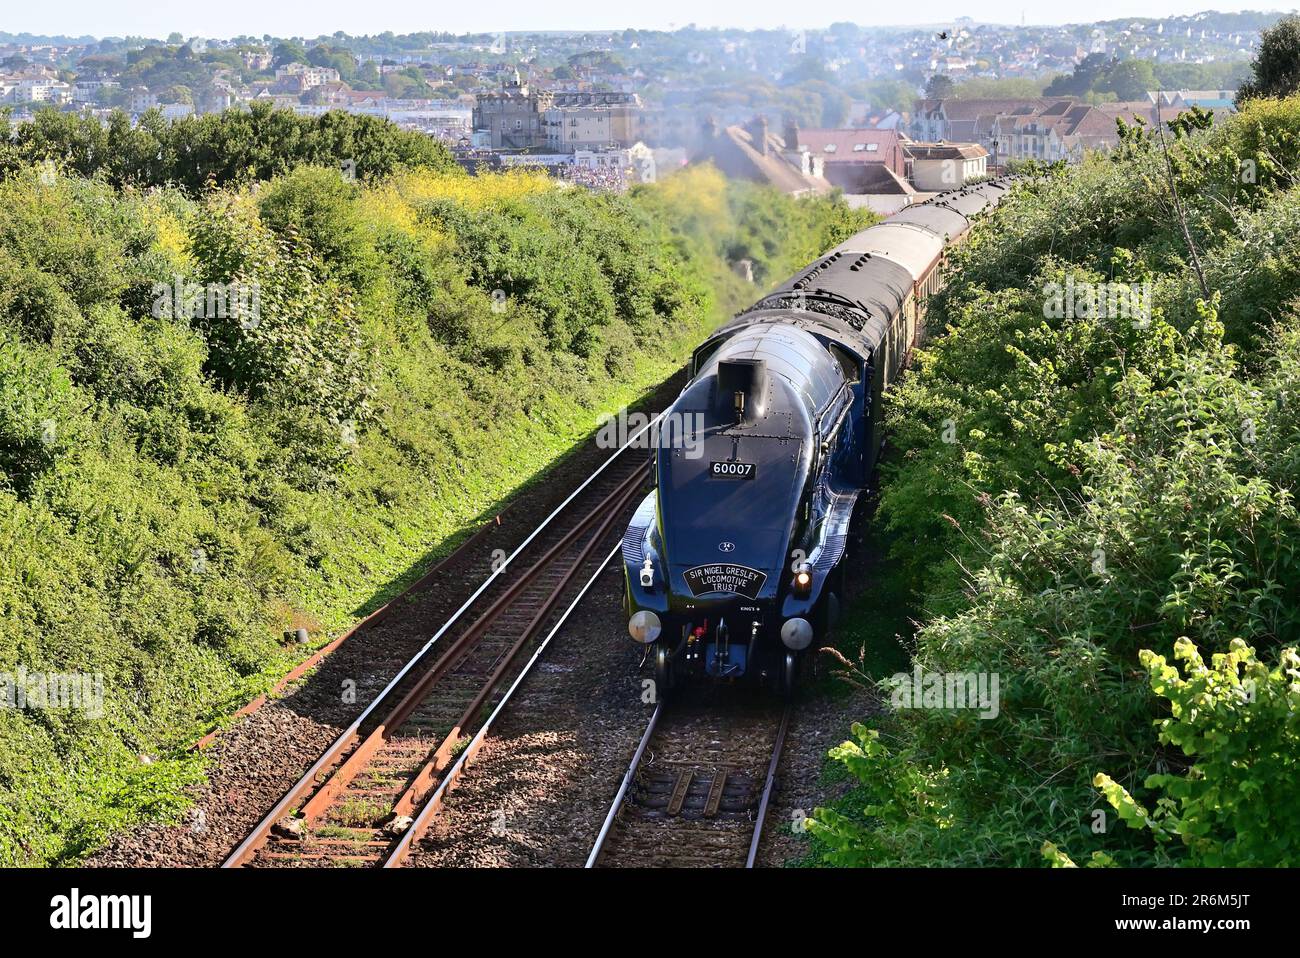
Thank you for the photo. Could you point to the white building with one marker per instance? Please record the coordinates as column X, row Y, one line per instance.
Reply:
column 946, row 166
column 87, row 91
column 141, row 101
column 41, row 90
column 306, row 76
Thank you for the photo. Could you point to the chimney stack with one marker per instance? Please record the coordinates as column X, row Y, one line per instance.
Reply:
column 791, row 135
column 760, row 134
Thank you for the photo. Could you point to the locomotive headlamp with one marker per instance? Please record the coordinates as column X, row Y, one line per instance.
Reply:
column 644, row 627
column 801, row 585
column 648, row 574
column 797, row 634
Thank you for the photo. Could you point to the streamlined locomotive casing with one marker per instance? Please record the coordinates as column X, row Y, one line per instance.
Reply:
column 749, row 494
column 732, row 561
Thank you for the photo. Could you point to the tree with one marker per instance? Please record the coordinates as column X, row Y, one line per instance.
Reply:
column 1129, row 80
column 368, row 76
column 939, row 87
column 177, row 93
column 1276, row 66
column 229, row 147
column 340, row 60
column 286, row 53
column 1088, row 74
column 99, row 65
column 110, row 96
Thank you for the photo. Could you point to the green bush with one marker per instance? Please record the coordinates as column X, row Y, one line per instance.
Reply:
column 1070, row 498
column 215, row 149
column 180, row 483
column 1234, row 805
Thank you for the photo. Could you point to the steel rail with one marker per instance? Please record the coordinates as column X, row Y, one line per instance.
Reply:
column 360, row 751
column 413, row 795
column 768, row 785
column 435, row 801
column 760, row 816
column 264, row 826
column 445, row 663
column 623, row 786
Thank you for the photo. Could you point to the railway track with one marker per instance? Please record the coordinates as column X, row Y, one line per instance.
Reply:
column 374, row 791
column 697, row 790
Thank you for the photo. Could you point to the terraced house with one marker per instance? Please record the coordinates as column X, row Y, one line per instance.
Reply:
column 1042, row 128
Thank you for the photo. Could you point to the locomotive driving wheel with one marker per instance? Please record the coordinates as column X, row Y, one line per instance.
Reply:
column 789, row 675
column 663, row 672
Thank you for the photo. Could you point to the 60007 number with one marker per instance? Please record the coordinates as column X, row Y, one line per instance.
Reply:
column 732, row 470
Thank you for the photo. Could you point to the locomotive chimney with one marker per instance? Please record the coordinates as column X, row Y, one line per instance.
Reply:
column 742, row 389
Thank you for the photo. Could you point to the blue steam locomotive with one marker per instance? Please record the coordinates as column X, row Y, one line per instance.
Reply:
column 734, row 560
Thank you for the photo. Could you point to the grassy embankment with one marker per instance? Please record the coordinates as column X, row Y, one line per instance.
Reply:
column 1099, row 508
column 178, row 487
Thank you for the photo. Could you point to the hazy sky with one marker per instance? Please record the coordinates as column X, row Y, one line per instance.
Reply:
column 224, row 18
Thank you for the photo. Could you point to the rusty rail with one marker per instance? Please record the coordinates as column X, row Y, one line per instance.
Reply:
column 768, row 785
column 617, row 804
column 354, row 751
column 358, row 747
column 421, row 824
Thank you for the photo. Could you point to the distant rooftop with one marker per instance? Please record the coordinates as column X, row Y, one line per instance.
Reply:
column 945, row 151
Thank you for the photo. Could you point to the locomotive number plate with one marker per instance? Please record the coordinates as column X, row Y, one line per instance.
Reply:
column 725, row 577
column 732, row 470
